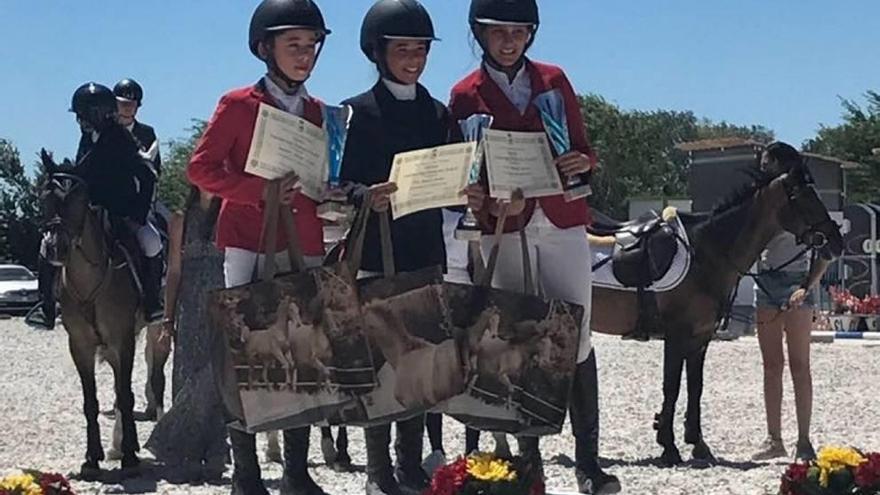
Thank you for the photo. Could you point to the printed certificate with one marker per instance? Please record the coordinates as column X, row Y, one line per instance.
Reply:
column 520, row 160
column 284, row 143
column 431, row 178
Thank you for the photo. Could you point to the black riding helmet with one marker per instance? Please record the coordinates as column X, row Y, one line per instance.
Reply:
column 129, row 90
column 94, row 104
column 394, row 19
column 489, row 12
column 274, row 16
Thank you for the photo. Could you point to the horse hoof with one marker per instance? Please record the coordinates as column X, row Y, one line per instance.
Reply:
column 670, row 457
column 90, row 471
column 702, row 452
column 113, row 454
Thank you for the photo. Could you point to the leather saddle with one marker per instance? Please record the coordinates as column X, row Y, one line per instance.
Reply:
column 643, row 251
column 644, row 248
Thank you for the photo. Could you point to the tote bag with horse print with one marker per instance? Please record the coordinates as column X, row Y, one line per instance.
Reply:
column 417, row 361
column 295, row 349
column 520, row 353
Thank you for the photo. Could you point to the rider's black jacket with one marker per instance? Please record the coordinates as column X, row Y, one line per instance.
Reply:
column 144, row 137
column 382, row 126
column 119, row 178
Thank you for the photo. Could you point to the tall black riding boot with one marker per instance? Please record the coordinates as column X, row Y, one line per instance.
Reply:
column 471, row 440
column 584, row 414
column 343, row 459
column 152, row 285
column 380, row 475
column 408, row 446
column 46, row 285
column 296, row 479
column 246, row 476
column 530, row 451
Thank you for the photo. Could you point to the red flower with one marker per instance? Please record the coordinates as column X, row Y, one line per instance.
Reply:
column 54, row 484
column 449, row 479
column 867, row 474
column 793, row 477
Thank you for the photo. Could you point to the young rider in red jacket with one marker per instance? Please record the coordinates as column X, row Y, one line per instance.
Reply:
column 288, row 36
column 505, row 86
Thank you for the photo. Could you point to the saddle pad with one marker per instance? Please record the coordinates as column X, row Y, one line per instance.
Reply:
column 604, row 276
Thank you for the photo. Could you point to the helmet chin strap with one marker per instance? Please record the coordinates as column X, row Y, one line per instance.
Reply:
column 382, row 63
column 488, row 60
column 290, row 85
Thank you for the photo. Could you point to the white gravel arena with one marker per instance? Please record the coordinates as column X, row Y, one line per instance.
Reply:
column 43, row 427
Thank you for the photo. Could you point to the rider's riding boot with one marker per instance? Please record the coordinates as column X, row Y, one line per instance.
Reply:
column 530, row 451
column 46, row 281
column 471, row 440
column 380, row 475
column 584, row 413
column 343, row 459
column 296, row 479
column 246, row 476
column 152, row 285
column 408, row 446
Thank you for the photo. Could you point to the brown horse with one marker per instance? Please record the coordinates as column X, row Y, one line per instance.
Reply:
column 725, row 243
column 100, row 306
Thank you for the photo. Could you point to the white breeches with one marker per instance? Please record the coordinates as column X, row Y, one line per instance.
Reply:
column 149, row 239
column 560, row 264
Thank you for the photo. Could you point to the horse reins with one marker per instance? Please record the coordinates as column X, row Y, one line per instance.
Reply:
column 104, row 277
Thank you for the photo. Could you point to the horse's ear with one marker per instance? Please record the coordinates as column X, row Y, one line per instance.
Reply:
column 802, row 173
column 49, row 165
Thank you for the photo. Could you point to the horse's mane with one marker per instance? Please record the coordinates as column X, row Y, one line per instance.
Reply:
column 728, row 216
column 740, row 195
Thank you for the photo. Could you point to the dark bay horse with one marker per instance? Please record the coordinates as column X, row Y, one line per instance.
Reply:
column 99, row 306
column 725, row 243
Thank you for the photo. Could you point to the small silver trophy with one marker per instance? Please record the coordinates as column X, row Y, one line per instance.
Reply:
column 552, row 108
column 336, row 121
column 473, row 129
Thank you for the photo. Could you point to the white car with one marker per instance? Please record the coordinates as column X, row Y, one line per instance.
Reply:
column 18, row 289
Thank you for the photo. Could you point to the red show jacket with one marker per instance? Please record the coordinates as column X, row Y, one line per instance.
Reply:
column 217, row 166
column 478, row 93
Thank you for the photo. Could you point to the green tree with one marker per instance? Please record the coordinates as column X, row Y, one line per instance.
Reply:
column 636, row 150
column 19, row 209
column 854, row 140
column 173, row 185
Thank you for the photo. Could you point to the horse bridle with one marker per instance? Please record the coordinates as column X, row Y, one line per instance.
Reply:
column 813, row 238
column 62, row 185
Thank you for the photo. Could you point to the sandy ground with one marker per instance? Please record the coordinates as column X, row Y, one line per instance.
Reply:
column 42, row 425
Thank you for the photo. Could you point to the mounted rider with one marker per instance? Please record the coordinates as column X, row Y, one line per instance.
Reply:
column 121, row 181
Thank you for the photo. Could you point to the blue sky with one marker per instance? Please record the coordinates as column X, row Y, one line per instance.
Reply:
column 779, row 63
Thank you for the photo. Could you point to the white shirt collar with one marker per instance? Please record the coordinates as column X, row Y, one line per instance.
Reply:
column 403, row 92
column 130, row 127
column 518, row 91
column 291, row 103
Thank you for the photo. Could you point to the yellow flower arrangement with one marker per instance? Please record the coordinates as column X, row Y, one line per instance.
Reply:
column 832, row 459
column 486, row 467
column 21, row 483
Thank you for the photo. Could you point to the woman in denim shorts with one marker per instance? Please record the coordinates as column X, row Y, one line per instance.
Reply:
column 785, row 307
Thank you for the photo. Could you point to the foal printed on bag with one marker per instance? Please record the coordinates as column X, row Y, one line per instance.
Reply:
column 296, row 345
column 416, row 359
column 521, row 353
